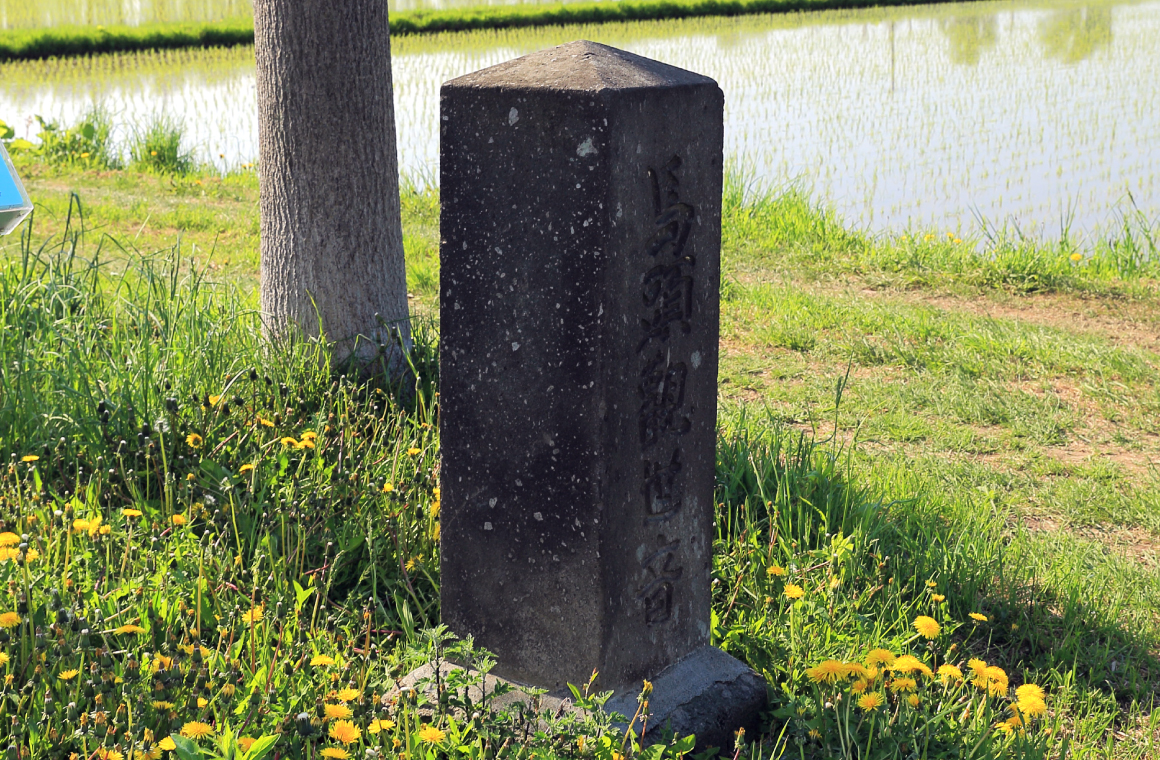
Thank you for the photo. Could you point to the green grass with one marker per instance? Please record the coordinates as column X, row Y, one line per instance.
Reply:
column 992, row 433
column 27, row 44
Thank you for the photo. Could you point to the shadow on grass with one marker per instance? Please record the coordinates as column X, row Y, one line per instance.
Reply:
column 778, row 491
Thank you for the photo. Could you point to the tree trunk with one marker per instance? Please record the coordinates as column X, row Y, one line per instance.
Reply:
column 331, row 235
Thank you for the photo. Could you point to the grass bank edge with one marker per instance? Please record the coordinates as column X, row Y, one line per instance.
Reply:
column 65, row 41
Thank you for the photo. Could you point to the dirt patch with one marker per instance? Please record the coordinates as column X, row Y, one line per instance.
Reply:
column 1127, row 324
column 1134, row 543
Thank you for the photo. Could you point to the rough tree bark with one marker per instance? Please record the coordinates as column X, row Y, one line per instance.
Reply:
column 332, row 240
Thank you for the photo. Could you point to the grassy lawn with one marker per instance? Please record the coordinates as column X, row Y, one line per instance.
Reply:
column 908, row 428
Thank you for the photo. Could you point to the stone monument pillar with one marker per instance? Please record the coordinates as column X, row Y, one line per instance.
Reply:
column 580, row 270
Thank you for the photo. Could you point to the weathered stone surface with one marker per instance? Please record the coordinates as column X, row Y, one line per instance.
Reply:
column 708, row 693
column 581, row 191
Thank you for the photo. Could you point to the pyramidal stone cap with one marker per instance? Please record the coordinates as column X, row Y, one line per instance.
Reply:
column 581, row 65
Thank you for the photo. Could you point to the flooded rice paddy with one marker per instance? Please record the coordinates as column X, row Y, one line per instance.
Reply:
column 1034, row 116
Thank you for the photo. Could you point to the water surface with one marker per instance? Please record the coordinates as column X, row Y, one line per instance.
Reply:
column 1031, row 115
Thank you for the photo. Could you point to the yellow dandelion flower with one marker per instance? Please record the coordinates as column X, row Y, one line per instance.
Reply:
column 344, row 731
column 1009, row 725
column 910, row 664
column 265, row 422
column 380, row 724
column 81, row 526
column 775, row 570
column 289, row 442
column 106, row 530
column 9, row 620
column 195, row 729
column 870, row 701
column 129, row 628
column 3, row 659
column 31, row 555
column 348, row 695
column 202, row 702
column 308, row 435
column 927, row 626
column 104, row 753
column 8, row 553
column 213, row 400
column 1076, row 257
column 246, row 468
column 1031, row 706
column 68, row 675
column 194, row 440
column 976, row 665
column 938, row 597
column 321, row 659
column 414, row 451
column 931, row 584
column 880, row 657
column 304, row 445
column 913, row 700
column 793, row 591
column 948, row 673
column 978, row 618
column 254, row 615
column 431, row 735
column 829, row 671
column 859, row 687
column 1030, row 690
column 903, row 684
column 167, row 744
column 162, row 706
column 996, row 681
column 179, row 520
column 334, row 712
column 9, row 539
column 131, row 512
column 245, row 742
column 854, row 670
column 229, row 689
column 387, row 488
column 30, row 458
column 336, row 753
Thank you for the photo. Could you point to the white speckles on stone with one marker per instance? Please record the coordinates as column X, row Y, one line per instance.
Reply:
column 492, row 502
column 519, row 482
column 513, row 116
column 586, row 148
column 487, row 526
column 695, row 359
column 515, row 346
column 619, row 210
column 539, row 516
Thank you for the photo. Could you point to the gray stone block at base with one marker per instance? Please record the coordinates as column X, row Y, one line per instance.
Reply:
column 708, row 694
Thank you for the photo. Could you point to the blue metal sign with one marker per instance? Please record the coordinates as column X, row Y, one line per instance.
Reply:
column 14, row 203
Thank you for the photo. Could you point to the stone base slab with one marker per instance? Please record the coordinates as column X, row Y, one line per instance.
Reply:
column 707, row 693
